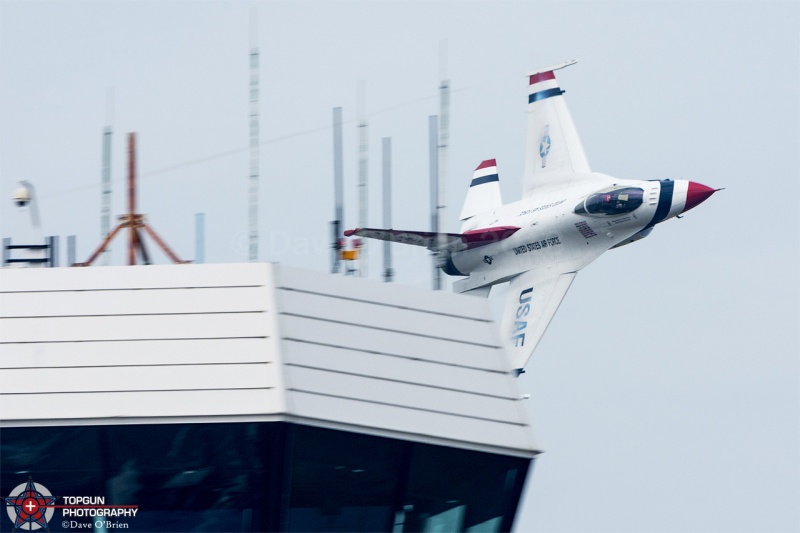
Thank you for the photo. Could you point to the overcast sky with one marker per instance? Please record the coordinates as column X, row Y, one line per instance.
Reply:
column 666, row 392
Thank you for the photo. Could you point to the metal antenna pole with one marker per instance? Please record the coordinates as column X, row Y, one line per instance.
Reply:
column 254, row 149
column 132, row 241
column 433, row 157
column 338, row 187
column 362, row 177
column 132, row 221
column 444, row 139
column 105, row 197
column 71, row 250
column 200, row 238
column 388, row 272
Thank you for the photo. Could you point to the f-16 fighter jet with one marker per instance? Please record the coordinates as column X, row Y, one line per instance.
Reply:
column 567, row 217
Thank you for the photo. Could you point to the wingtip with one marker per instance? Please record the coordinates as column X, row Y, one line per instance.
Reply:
column 350, row 232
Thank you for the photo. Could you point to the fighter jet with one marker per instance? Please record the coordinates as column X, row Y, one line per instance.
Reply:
column 567, row 217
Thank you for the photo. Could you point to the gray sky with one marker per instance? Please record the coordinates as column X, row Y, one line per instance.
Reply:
column 666, row 392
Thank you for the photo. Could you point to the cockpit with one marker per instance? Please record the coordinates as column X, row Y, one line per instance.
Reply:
column 611, row 202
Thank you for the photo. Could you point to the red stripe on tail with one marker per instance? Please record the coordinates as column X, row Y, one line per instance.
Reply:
column 487, row 163
column 542, row 76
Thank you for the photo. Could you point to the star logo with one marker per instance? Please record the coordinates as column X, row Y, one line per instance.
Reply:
column 28, row 506
column 544, row 146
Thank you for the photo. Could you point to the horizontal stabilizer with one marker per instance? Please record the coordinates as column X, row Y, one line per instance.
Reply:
column 453, row 242
column 484, row 191
column 551, row 68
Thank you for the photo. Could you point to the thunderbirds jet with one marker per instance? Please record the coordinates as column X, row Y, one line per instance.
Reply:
column 567, row 218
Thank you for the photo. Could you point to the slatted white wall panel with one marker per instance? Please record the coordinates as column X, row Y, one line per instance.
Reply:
column 413, row 424
column 144, row 352
column 149, row 341
column 383, row 365
column 378, row 356
column 142, row 407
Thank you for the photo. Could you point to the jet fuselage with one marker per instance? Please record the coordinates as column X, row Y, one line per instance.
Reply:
column 558, row 228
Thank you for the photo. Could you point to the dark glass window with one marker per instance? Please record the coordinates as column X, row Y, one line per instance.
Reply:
column 343, row 481
column 264, row 477
column 198, row 477
column 612, row 202
column 461, row 490
column 66, row 457
column 350, row 482
column 182, row 477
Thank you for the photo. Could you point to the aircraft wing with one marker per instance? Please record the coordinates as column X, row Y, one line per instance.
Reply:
column 428, row 239
column 529, row 308
column 553, row 149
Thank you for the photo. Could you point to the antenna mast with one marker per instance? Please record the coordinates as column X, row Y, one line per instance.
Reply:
column 444, row 139
column 133, row 221
column 433, row 139
column 362, row 177
column 338, row 188
column 254, row 150
column 105, row 195
column 388, row 272
column 200, row 238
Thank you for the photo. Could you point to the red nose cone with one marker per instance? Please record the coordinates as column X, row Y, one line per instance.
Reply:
column 696, row 195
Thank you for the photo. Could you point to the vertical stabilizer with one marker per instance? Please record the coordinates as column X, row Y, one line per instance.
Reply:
column 484, row 191
column 553, row 150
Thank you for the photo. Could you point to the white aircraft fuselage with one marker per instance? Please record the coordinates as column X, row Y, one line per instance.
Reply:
column 557, row 232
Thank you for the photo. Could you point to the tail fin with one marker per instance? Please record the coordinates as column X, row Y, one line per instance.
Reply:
column 484, row 191
column 553, row 149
